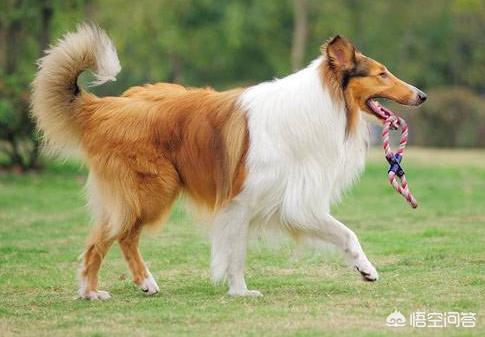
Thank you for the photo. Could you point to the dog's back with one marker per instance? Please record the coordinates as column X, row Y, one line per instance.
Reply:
column 162, row 139
column 143, row 147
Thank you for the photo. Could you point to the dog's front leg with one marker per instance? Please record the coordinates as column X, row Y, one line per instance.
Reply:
column 333, row 231
column 229, row 245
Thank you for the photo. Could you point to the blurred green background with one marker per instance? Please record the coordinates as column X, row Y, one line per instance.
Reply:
column 431, row 259
column 437, row 45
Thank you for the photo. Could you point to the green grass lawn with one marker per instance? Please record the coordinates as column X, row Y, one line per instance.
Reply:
column 430, row 259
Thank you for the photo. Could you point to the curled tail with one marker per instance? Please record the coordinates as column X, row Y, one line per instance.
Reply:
column 55, row 93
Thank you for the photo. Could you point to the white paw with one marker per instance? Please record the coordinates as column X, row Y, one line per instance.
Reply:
column 367, row 270
column 149, row 285
column 245, row 293
column 94, row 295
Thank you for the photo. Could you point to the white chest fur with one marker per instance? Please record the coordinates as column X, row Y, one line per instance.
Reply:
column 299, row 158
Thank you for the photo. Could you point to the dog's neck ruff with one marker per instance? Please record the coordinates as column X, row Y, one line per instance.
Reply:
column 299, row 159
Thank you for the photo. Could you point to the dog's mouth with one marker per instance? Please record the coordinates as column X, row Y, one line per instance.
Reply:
column 378, row 110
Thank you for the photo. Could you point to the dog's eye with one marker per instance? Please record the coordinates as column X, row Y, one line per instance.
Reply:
column 383, row 75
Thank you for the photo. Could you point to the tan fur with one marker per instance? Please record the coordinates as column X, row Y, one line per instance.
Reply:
column 162, row 138
column 146, row 146
column 341, row 58
column 129, row 246
column 142, row 148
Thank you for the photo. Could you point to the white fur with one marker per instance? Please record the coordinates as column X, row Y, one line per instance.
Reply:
column 91, row 294
column 299, row 163
column 149, row 285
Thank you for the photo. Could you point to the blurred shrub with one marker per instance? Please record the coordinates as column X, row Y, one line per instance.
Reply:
column 452, row 116
column 24, row 32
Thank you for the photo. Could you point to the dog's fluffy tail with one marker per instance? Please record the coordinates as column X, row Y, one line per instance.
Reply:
column 56, row 96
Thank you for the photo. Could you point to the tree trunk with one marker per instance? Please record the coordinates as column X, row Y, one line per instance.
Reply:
column 300, row 33
column 12, row 53
column 16, row 160
column 89, row 9
column 175, row 74
column 46, row 12
column 3, row 47
column 12, row 43
column 356, row 8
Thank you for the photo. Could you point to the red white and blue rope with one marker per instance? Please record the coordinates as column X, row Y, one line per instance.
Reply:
column 395, row 122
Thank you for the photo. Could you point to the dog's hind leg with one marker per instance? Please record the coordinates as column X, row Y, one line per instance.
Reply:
column 99, row 242
column 229, row 245
column 331, row 230
column 156, row 194
column 141, row 275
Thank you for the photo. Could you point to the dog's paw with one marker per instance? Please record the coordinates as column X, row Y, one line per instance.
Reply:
column 367, row 270
column 149, row 286
column 94, row 295
column 245, row 293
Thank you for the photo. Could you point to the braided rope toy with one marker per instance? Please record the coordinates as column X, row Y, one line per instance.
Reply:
column 393, row 122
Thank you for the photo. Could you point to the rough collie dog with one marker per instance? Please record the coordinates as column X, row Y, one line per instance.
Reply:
column 275, row 154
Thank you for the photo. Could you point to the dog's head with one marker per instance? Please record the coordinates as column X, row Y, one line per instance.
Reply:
column 360, row 79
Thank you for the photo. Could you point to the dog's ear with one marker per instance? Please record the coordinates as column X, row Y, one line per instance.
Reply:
column 340, row 53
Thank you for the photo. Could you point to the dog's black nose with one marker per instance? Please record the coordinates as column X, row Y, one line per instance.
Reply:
column 422, row 96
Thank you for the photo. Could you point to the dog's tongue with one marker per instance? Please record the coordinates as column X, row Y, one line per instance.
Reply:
column 384, row 113
column 381, row 110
